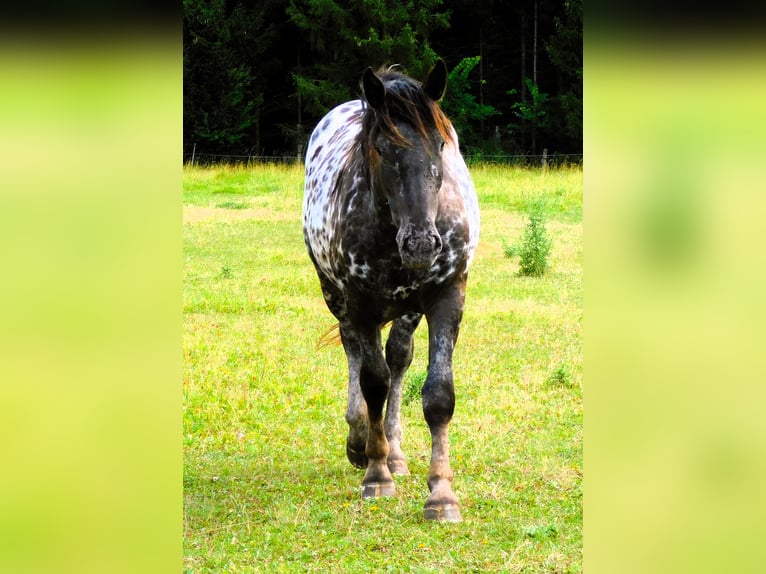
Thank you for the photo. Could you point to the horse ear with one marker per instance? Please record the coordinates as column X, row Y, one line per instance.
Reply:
column 374, row 91
column 436, row 82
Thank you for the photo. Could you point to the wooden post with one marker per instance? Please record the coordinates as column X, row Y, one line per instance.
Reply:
column 545, row 159
column 299, row 143
column 194, row 149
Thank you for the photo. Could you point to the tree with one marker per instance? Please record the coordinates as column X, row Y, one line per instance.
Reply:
column 565, row 51
column 258, row 74
column 460, row 103
column 340, row 38
column 224, row 90
column 532, row 113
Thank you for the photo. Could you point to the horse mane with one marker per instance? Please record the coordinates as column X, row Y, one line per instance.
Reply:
column 405, row 101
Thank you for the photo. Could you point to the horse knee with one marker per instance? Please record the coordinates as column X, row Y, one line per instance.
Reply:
column 438, row 397
column 375, row 381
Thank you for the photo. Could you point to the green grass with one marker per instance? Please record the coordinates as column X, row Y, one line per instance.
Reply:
column 266, row 483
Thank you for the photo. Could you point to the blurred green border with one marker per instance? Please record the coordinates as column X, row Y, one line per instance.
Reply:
column 90, row 303
column 675, row 273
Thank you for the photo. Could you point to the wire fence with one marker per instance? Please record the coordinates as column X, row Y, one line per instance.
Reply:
column 528, row 160
column 472, row 157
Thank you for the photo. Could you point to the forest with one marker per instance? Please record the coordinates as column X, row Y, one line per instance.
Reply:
column 259, row 74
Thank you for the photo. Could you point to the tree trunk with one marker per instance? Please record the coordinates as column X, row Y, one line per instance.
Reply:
column 534, row 49
column 523, row 73
column 534, row 79
column 481, row 81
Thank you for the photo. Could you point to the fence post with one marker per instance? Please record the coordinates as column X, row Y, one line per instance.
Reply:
column 194, row 149
column 299, row 143
column 545, row 158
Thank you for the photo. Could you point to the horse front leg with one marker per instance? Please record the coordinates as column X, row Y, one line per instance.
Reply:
column 439, row 402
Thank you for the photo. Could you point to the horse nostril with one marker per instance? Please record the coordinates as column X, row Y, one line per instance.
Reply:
column 437, row 243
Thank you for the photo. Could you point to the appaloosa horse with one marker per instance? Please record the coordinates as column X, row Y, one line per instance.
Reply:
column 391, row 223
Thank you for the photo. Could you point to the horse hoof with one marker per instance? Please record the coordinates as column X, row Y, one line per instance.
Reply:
column 398, row 466
column 378, row 489
column 356, row 457
column 444, row 513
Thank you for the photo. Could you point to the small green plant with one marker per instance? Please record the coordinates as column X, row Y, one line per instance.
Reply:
column 226, row 271
column 540, row 532
column 561, row 376
column 535, row 247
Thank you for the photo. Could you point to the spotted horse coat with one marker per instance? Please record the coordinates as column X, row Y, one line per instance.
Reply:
column 391, row 223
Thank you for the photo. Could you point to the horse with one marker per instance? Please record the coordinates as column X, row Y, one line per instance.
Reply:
column 391, row 224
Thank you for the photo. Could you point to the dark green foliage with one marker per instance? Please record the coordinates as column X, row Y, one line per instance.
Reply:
column 259, row 75
column 532, row 112
column 342, row 38
column 535, row 246
column 564, row 49
column 225, row 62
column 460, row 103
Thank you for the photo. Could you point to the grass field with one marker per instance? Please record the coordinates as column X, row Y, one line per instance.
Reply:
column 266, row 483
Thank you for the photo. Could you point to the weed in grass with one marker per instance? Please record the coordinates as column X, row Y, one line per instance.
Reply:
column 541, row 532
column 561, row 377
column 226, row 272
column 534, row 249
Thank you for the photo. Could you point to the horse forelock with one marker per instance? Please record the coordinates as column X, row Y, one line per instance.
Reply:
column 405, row 101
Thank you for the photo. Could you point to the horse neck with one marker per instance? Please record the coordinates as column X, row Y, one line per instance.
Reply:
column 361, row 171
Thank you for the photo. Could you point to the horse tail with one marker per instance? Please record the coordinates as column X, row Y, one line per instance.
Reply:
column 330, row 338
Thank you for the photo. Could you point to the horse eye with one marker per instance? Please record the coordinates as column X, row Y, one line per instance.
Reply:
column 441, row 146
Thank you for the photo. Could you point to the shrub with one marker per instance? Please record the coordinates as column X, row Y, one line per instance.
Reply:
column 535, row 247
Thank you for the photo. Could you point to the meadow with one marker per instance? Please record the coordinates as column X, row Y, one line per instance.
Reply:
column 267, row 487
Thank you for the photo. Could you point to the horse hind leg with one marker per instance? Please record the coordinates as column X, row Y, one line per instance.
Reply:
column 374, row 382
column 399, row 351
column 356, row 408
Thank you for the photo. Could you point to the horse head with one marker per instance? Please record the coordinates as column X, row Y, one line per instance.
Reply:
column 404, row 143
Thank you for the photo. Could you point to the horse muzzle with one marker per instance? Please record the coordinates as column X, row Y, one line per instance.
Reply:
column 418, row 245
